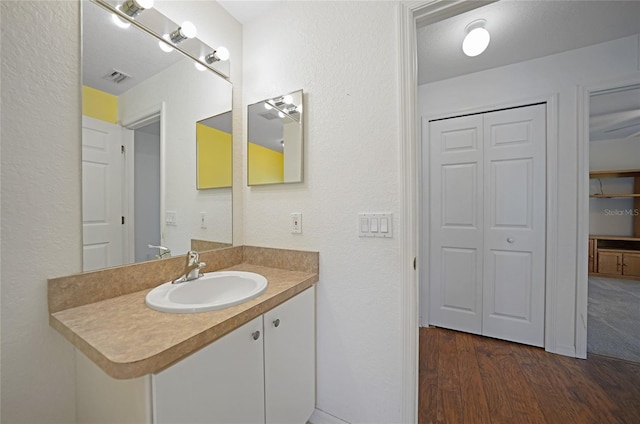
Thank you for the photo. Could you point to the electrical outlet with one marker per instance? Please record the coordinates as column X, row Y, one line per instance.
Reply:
column 203, row 220
column 296, row 223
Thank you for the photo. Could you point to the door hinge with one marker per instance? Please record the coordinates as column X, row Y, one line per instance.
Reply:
column 122, row 148
column 123, row 220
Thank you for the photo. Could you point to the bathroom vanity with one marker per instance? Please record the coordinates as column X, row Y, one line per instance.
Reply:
column 253, row 362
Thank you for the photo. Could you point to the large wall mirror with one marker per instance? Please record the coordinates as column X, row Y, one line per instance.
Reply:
column 142, row 110
column 275, row 140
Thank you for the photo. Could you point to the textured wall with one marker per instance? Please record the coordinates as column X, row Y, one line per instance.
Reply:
column 41, row 230
column 343, row 55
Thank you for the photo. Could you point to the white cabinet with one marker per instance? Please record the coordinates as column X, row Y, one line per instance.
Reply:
column 289, row 358
column 222, row 382
column 262, row 372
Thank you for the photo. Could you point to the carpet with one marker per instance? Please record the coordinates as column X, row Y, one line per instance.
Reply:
column 613, row 326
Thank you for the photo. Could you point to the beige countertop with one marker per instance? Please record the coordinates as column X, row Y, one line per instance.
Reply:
column 128, row 340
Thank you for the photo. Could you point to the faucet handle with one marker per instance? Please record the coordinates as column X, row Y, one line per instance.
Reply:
column 162, row 251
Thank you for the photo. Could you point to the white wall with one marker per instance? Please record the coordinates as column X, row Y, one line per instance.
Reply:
column 560, row 74
column 217, row 28
column 190, row 96
column 335, row 51
column 605, row 155
column 41, row 224
column 41, row 187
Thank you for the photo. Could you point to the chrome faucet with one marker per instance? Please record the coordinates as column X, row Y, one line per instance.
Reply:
column 192, row 268
column 162, row 251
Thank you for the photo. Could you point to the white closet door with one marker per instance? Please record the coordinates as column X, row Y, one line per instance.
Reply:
column 456, row 223
column 487, row 226
column 514, row 235
column 102, row 229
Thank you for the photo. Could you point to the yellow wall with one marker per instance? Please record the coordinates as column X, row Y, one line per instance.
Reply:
column 266, row 166
column 100, row 105
column 214, row 157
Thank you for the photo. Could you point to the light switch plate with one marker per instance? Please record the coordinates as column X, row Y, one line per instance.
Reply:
column 170, row 218
column 375, row 225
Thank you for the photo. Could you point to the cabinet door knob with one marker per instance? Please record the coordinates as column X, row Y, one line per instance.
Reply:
column 276, row 322
column 255, row 335
column 510, row 240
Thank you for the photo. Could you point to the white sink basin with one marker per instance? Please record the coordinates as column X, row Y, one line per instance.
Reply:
column 214, row 290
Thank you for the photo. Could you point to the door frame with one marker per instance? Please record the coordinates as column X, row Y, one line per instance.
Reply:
column 133, row 122
column 409, row 14
column 582, row 273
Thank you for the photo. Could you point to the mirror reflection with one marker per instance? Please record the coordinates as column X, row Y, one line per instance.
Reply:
column 140, row 109
column 275, row 140
column 213, row 146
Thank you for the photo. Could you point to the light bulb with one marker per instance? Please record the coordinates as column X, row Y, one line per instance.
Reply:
column 199, row 66
column 222, row 53
column 280, row 114
column 288, row 99
column 476, row 42
column 145, row 4
column 164, row 46
column 119, row 21
column 267, row 106
column 188, row 29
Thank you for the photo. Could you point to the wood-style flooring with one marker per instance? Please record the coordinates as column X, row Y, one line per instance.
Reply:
column 471, row 379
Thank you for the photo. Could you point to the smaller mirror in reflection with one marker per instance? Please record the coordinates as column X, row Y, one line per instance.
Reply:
column 214, row 150
column 275, row 141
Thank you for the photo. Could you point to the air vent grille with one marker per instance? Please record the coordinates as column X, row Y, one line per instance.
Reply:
column 269, row 116
column 116, row 76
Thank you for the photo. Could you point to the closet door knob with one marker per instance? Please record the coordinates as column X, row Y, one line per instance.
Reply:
column 510, row 240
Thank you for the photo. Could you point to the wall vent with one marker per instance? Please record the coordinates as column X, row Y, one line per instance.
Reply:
column 116, row 76
column 268, row 116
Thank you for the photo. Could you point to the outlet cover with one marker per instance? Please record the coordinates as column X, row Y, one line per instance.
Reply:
column 296, row 223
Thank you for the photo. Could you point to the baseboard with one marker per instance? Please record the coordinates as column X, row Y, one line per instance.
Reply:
column 321, row 417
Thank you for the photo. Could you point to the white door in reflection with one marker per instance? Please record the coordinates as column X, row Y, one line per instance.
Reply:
column 102, row 164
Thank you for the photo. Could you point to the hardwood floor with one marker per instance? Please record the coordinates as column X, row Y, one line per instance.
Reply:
column 471, row 379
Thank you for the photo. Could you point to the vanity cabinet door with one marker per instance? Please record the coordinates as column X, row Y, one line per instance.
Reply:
column 289, row 354
column 221, row 383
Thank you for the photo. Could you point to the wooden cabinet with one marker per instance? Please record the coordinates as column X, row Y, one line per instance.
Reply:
column 262, row 372
column 616, row 257
column 619, row 262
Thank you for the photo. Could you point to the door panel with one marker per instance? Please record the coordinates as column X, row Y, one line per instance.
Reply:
column 102, row 231
column 514, row 234
column 455, row 293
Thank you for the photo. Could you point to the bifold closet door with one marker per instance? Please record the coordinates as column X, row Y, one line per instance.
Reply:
column 456, row 228
column 487, row 224
column 515, row 230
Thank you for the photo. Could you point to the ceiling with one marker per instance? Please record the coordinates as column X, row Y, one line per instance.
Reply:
column 247, row 10
column 106, row 47
column 522, row 30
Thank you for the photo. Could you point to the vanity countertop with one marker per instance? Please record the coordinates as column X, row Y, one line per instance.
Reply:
column 128, row 340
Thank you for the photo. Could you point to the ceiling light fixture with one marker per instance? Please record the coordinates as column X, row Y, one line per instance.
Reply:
column 132, row 8
column 186, row 30
column 477, row 38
